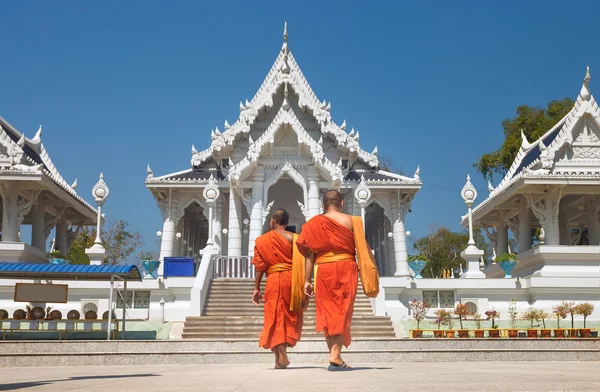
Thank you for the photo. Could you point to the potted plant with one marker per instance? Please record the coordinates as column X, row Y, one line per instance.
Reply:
column 449, row 321
column 559, row 312
column 493, row 314
column 440, row 318
column 570, row 309
column 513, row 314
column 419, row 311
column 531, row 315
column 507, row 261
column 585, row 309
column 543, row 315
column 462, row 311
column 478, row 332
column 417, row 263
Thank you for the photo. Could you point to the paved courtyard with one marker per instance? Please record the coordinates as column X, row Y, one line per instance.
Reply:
column 477, row 376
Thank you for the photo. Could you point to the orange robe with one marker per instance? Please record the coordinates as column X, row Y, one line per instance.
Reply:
column 335, row 282
column 273, row 254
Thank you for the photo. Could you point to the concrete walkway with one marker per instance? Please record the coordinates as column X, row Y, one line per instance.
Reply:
column 474, row 376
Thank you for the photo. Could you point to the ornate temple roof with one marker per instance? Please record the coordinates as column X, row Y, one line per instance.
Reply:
column 20, row 156
column 284, row 86
column 569, row 150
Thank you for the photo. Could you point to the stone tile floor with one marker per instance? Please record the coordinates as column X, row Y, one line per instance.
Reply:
column 474, row 376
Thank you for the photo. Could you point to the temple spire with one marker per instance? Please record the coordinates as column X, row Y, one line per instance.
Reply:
column 285, row 38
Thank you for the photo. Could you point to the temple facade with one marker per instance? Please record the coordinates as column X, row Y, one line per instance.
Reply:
column 284, row 151
column 34, row 193
column 550, row 197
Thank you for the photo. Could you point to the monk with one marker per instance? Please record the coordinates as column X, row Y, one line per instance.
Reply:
column 274, row 254
column 331, row 243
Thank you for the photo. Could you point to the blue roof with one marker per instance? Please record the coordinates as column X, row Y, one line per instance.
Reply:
column 68, row 271
column 535, row 152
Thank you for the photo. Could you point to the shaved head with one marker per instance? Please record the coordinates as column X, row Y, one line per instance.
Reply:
column 332, row 199
column 280, row 217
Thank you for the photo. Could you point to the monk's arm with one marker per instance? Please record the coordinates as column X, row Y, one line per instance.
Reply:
column 308, row 268
column 257, row 279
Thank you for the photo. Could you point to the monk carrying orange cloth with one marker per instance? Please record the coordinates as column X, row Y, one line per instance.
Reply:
column 274, row 254
column 331, row 243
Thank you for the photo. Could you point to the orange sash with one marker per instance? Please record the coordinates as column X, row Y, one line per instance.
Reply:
column 298, row 301
column 367, row 267
column 333, row 256
column 279, row 267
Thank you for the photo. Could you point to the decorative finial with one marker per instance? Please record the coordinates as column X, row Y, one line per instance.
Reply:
column 490, row 187
column 38, row 136
column 149, row 172
column 357, row 136
column 217, row 132
column 285, row 34
column 525, row 145
column 227, row 126
column 417, row 172
column 585, row 90
column 343, row 126
column 241, row 106
column 351, row 132
column 194, row 151
column 21, row 142
column 469, row 193
column 375, row 151
column 542, row 146
column 74, row 184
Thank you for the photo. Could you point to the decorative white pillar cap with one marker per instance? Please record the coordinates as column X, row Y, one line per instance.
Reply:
column 469, row 193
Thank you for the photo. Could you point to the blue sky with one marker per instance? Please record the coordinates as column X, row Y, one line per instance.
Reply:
column 117, row 85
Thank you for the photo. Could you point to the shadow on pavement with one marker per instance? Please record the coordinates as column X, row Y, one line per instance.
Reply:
column 31, row 384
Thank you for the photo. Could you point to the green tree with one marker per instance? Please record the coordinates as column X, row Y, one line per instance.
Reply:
column 76, row 253
column 443, row 248
column 534, row 122
column 119, row 242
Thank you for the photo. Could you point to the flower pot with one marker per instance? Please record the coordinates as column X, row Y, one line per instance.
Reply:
column 479, row 333
column 463, row 333
column 573, row 333
column 3, row 314
column 585, row 332
column 449, row 334
column 38, row 313
column 416, row 333
column 545, row 333
column 559, row 333
column 507, row 266
column 532, row 333
column 494, row 333
column 513, row 333
column 438, row 334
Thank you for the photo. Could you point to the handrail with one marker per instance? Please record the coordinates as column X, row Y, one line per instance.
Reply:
column 202, row 282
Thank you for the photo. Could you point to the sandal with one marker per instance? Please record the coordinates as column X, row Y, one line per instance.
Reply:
column 334, row 367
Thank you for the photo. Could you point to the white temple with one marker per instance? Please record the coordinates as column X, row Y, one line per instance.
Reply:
column 284, row 151
column 34, row 193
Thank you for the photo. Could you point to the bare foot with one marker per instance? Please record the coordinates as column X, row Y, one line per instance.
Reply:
column 283, row 358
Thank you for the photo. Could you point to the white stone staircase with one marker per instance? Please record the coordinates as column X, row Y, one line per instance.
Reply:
column 230, row 314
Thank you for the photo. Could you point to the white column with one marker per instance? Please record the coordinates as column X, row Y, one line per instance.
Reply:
column 593, row 221
column 501, row 236
column 166, row 243
column 61, row 236
column 10, row 222
column 234, row 240
column 38, row 226
column 545, row 210
column 390, row 249
column 400, row 209
column 314, row 203
column 565, row 233
column 524, row 227
column 258, row 181
column 217, row 228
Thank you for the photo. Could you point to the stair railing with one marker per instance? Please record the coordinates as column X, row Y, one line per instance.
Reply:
column 204, row 276
column 237, row 267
